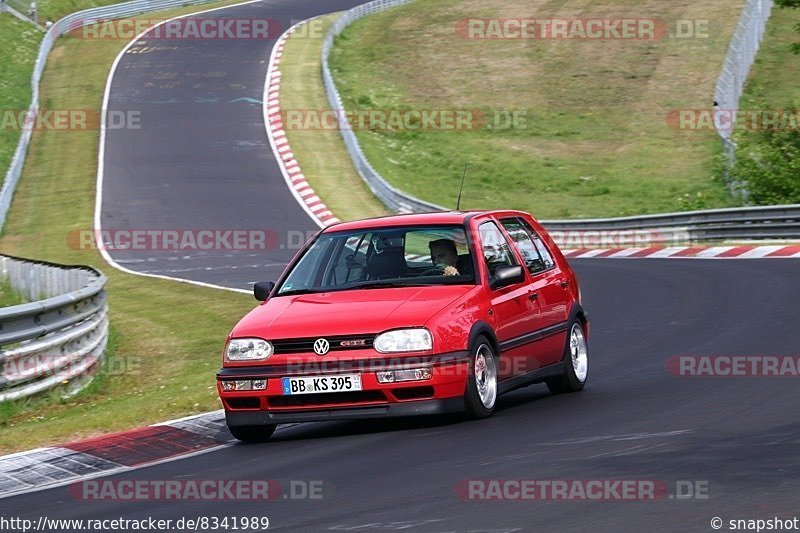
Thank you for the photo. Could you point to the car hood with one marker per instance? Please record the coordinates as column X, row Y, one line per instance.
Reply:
column 347, row 312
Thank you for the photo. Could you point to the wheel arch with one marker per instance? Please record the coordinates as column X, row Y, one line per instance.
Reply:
column 577, row 312
column 483, row 328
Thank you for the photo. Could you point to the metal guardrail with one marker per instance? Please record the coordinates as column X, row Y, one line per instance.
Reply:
column 60, row 336
column 738, row 223
column 62, row 26
column 24, row 10
column 775, row 222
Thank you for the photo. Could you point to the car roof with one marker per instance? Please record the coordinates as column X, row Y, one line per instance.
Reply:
column 413, row 219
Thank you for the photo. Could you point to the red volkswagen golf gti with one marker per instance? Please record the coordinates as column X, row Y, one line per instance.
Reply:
column 406, row 315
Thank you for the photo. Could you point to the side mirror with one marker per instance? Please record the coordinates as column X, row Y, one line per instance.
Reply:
column 507, row 275
column 262, row 289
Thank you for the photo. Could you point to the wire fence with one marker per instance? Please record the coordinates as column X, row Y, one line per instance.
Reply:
column 742, row 52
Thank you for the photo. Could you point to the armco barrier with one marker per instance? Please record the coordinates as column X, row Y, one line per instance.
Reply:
column 738, row 223
column 60, row 336
column 20, row 9
column 64, row 25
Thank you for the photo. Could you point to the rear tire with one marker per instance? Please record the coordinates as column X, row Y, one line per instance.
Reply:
column 481, row 395
column 576, row 362
column 253, row 433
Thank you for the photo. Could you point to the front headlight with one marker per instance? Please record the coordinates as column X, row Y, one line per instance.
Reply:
column 404, row 340
column 248, row 350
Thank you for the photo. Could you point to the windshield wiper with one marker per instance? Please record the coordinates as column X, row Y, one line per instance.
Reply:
column 388, row 285
column 295, row 292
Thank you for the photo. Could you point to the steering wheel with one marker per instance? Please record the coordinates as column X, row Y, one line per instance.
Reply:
column 434, row 271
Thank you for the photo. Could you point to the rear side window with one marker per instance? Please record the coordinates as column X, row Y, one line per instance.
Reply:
column 494, row 247
column 525, row 245
column 547, row 258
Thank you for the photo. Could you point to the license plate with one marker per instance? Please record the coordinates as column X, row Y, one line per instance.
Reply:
column 321, row 384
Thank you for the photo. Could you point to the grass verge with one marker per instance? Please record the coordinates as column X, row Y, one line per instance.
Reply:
column 17, row 56
column 321, row 153
column 167, row 336
column 596, row 141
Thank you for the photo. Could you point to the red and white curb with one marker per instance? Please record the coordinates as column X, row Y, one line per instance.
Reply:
column 273, row 120
column 687, row 252
column 44, row 468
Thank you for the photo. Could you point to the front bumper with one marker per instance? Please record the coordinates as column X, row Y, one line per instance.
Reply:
column 413, row 408
column 443, row 393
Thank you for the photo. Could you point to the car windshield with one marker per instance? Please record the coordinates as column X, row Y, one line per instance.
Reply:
column 382, row 258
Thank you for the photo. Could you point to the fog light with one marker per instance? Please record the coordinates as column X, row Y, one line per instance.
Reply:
column 385, row 377
column 259, row 384
column 244, row 384
column 414, row 374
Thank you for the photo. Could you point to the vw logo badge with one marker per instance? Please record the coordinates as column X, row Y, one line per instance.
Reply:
column 321, row 346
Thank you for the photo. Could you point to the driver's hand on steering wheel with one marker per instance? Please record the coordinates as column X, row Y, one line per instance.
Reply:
column 450, row 271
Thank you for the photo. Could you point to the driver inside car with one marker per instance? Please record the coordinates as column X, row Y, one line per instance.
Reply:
column 445, row 255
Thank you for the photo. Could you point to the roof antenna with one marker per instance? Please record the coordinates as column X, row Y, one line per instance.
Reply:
column 458, row 203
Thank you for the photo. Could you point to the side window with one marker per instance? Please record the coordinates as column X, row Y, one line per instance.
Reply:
column 525, row 245
column 495, row 247
column 546, row 257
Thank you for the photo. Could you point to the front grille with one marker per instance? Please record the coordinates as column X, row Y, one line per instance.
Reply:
column 413, row 393
column 243, row 403
column 351, row 342
column 327, row 399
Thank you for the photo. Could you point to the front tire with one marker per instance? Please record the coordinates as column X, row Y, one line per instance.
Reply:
column 481, row 394
column 252, row 433
column 576, row 362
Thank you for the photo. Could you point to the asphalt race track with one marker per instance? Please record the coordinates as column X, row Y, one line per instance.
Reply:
column 200, row 159
column 634, row 421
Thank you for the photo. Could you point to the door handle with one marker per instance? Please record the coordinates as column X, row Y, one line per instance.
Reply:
column 532, row 296
column 564, row 284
